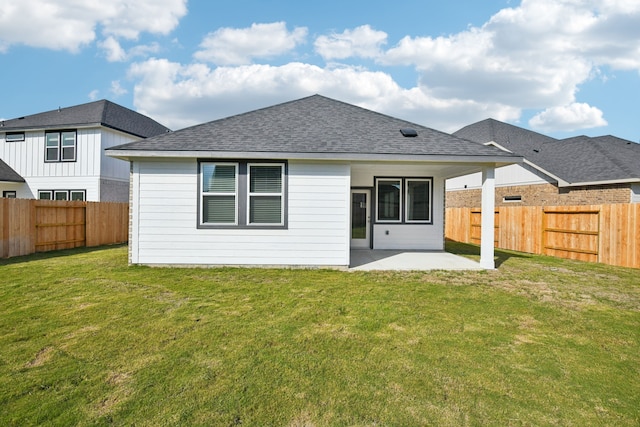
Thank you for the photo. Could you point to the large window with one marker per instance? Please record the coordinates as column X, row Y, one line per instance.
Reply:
column 240, row 194
column 404, row 200
column 60, row 146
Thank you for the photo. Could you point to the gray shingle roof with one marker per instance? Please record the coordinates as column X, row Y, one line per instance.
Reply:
column 105, row 113
column 312, row 125
column 7, row 174
column 581, row 159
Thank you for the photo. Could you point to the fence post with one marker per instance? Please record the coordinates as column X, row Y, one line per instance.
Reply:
column 4, row 229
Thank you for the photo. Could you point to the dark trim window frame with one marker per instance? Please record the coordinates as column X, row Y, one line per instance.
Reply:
column 60, row 146
column 72, row 195
column 14, row 137
column 403, row 200
column 250, row 194
column 9, row 194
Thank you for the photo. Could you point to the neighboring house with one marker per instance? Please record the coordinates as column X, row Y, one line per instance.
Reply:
column 59, row 154
column 297, row 184
column 574, row 171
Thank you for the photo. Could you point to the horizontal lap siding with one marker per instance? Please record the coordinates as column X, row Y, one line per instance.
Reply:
column 317, row 231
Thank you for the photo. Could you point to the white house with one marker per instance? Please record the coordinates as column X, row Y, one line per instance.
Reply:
column 297, row 184
column 59, row 154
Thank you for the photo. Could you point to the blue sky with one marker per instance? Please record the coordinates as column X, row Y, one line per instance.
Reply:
column 559, row 67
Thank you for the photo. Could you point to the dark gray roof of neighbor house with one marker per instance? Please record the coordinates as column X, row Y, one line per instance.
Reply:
column 314, row 125
column 7, row 174
column 576, row 160
column 104, row 113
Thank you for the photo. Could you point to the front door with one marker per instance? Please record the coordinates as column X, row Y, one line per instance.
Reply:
column 360, row 218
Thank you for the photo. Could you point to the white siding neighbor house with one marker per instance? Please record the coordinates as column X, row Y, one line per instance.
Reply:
column 60, row 154
column 297, row 184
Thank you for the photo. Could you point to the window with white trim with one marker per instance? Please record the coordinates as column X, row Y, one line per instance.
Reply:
column 74, row 195
column 60, row 146
column 219, row 193
column 242, row 194
column 404, row 200
column 266, row 201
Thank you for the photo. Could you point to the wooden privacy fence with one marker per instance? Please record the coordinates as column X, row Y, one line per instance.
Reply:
column 28, row 226
column 608, row 234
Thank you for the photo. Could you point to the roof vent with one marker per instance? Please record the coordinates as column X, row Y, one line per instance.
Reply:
column 409, row 133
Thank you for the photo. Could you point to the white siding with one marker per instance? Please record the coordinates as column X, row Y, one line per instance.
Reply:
column 110, row 167
column 165, row 229
column 27, row 159
column 404, row 236
column 505, row 176
column 90, row 184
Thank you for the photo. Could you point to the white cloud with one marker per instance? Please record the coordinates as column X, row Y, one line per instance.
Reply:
column 112, row 49
column 239, row 46
column 183, row 95
column 93, row 95
column 116, row 89
column 568, row 118
column 363, row 41
column 76, row 21
column 534, row 56
column 114, row 52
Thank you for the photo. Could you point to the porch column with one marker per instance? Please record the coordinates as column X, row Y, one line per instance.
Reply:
column 488, row 220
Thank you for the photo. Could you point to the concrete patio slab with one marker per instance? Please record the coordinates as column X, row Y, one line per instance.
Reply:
column 366, row 259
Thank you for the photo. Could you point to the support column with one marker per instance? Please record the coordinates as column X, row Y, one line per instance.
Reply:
column 488, row 218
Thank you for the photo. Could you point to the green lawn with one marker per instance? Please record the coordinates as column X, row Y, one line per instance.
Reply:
column 87, row 340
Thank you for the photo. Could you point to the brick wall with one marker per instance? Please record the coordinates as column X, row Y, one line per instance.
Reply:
column 544, row 195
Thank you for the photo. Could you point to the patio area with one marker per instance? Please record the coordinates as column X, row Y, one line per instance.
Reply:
column 366, row 259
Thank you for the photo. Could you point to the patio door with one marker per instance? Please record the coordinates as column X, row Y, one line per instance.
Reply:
column 360, row 218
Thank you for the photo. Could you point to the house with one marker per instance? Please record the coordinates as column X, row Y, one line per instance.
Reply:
column 59, row 154
column 297, row 184
column 575, row 171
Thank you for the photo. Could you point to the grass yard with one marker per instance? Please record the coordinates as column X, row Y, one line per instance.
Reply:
column 87, row 340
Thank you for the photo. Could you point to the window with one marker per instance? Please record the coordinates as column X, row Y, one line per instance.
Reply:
column 52, row 147
column 75, row 195
column 242, row 194
column 418, row 197
column 14, row 136
column 219, row 193
column 9, row 194
column 61, row 195
column 404, row 200
column 265, row 193
column 60, row 146
column 512, row 199
column 389, row 193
